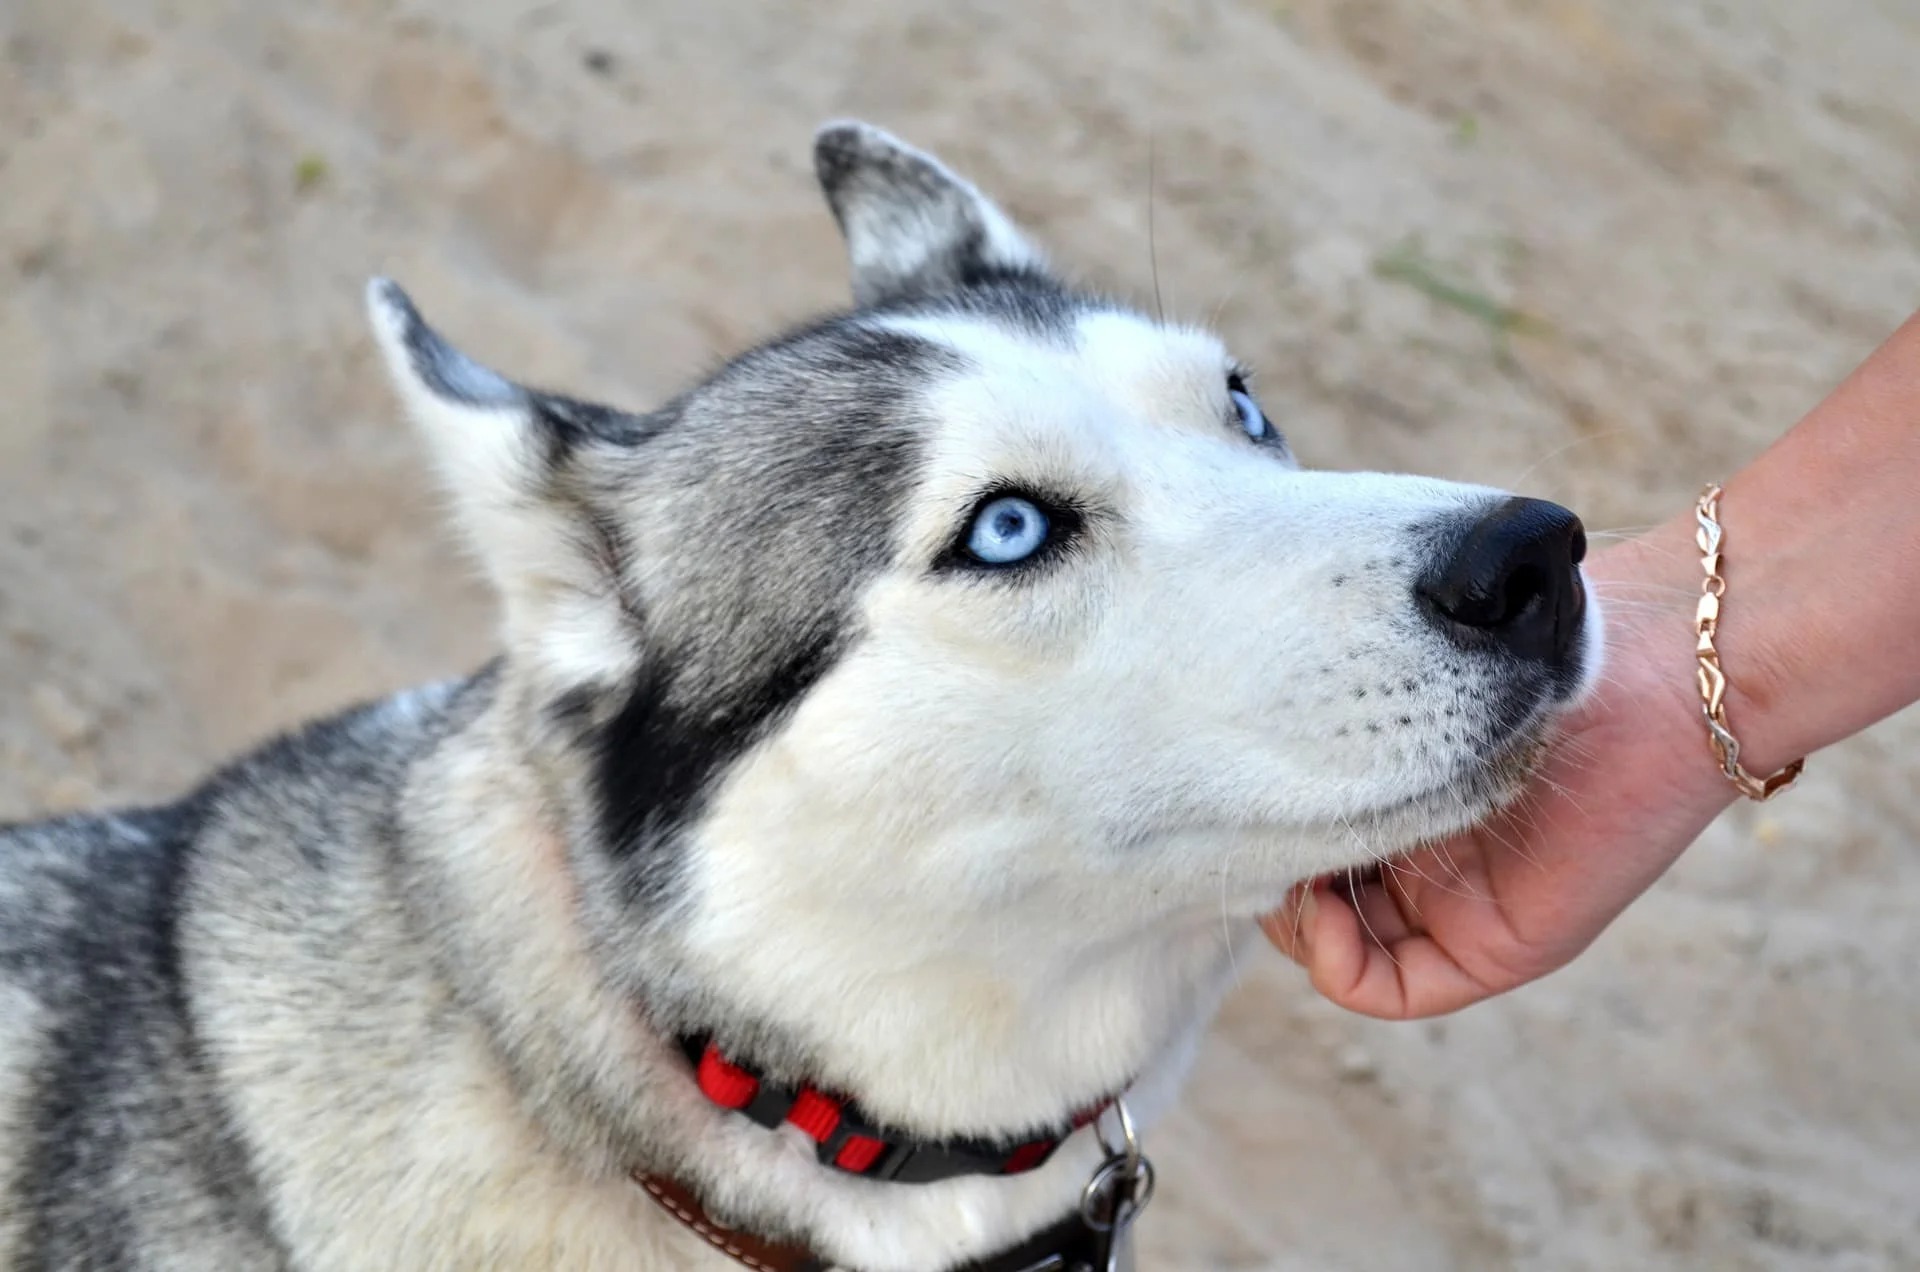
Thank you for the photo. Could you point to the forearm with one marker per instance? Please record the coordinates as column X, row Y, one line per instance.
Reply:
column 1820, row 628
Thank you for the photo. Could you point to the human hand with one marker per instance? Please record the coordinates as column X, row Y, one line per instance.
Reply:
column 1626, row 787
column 1824, row 570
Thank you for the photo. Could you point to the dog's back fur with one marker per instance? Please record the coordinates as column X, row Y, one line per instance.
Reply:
column 122, row 1145
column 775, row 753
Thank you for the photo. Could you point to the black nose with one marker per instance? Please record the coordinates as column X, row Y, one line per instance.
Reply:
column 1510, row 582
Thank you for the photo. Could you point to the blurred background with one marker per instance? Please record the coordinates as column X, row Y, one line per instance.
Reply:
column 1599, row 251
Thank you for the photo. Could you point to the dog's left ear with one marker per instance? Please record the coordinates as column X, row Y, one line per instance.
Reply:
column 523, row 467
column 913, row 227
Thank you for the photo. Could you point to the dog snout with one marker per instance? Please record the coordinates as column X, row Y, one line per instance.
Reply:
column 1511, row 581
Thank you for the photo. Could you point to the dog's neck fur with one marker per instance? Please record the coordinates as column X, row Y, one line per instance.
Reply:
column 937, row 1065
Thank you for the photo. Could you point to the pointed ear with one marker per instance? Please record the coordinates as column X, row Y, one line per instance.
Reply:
column 479, row 424
column 912, row 226
column 513, row 460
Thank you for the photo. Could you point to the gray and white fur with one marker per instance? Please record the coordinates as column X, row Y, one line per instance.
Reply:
column 771, row 751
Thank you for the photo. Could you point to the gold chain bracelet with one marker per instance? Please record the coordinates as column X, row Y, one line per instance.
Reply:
column 1713, row 681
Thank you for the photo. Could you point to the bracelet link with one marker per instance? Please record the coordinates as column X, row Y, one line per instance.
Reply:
column 1713, row 680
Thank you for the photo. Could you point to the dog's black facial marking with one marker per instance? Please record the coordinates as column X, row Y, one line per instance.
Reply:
column 655, row 761
column 755, row 550
column 746, row 553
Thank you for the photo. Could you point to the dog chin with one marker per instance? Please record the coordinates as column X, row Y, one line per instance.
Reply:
column 1484, row 785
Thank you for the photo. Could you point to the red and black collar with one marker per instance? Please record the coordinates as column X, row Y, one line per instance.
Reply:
column 846, row 1139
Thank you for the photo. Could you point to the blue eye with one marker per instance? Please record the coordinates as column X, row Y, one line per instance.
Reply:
column 1008, row 530
column 1251, row 418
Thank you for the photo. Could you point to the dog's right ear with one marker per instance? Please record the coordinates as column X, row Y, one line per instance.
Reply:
column 518, row 463
column 913, row 227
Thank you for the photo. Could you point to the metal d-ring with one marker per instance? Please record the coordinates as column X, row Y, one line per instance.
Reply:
column 1123, row 1185
column 1103, row 1207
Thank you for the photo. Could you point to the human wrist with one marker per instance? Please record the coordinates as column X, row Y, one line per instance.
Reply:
column 1647, row 589
column 1813, row 631
column 1822, row 559
column 1765, row 639
column 1823, row 564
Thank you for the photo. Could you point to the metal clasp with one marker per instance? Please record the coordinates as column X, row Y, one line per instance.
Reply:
column 1119, row 1190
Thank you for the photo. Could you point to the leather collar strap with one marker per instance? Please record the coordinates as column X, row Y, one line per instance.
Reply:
column 1068, row 1246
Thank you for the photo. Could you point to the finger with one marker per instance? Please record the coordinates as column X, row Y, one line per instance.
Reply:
column 1382, row 920
column 1287, row 926
column 1409, row 977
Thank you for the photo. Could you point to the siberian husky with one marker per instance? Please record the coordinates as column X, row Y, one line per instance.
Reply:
column 890, row 735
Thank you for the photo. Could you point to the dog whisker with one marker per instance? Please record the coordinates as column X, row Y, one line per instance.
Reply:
column 1226, row 923
column 1465, row 890
column 1526, row 474
column 1355, row 888
column 1153, row 251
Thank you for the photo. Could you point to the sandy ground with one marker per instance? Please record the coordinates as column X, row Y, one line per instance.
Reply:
column 1601, row 251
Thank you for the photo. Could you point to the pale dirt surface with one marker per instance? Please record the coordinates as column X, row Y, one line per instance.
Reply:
column 213, row 524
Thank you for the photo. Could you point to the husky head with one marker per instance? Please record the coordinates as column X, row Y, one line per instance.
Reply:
column 931, row 695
